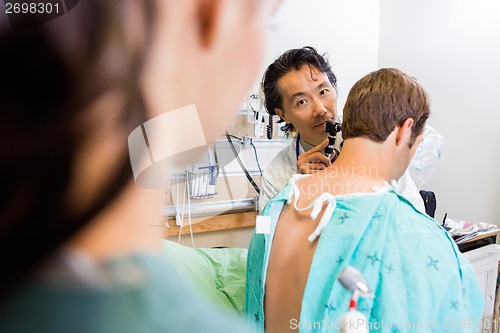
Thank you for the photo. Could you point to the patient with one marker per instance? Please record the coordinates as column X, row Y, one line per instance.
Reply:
column 349, row 214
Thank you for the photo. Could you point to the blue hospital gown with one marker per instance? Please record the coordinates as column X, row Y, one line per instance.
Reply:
column 421, row 281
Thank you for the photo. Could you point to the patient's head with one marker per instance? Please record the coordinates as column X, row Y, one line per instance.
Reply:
column 381, row 101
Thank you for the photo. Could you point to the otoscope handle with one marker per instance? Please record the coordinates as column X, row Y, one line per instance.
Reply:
column 332, row 128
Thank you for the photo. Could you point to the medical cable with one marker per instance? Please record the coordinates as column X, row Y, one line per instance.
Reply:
column 234, row 137
column 183, row 210
column 185, row 194
column 178, row 218
column 189, row 214
column 256, row 158
column 250, row 179
column 216, row 159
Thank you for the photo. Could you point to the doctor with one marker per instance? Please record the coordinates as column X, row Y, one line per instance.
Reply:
column 301, row 88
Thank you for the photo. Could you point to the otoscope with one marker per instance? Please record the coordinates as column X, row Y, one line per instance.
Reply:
column 332, row 128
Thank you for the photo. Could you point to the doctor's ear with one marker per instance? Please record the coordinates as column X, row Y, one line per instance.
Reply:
column 281, row 114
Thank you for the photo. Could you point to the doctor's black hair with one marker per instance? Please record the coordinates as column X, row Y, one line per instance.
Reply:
column 291, row 60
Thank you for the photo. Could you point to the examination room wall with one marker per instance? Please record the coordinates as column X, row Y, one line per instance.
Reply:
column 347, row 31
column 453, row 48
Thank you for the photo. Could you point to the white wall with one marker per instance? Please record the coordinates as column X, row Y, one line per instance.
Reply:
column 453, row 48
column 346, row 30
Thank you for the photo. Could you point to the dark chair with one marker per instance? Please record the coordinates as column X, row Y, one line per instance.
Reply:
column 429, row 202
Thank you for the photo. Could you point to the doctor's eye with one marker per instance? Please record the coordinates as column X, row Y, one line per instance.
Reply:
column 301, row 102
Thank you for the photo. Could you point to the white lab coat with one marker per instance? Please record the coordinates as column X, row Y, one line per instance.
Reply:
column 284, row 165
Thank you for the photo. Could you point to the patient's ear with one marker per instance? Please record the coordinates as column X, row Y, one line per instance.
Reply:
column 403, row 135
column 209, row 14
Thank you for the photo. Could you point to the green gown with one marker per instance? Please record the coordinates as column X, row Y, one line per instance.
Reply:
column 140, row 294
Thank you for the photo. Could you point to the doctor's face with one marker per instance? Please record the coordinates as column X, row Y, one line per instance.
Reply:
column 308, row 101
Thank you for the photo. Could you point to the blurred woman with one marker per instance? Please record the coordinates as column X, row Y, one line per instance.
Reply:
column 79, row 240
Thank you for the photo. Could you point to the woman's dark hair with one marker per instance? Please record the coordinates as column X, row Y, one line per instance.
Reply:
column 51, row 75
column 292, row 59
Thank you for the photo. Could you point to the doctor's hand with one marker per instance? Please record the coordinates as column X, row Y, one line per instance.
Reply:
column 314, row 160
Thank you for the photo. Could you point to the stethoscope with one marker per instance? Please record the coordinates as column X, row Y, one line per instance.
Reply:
column 297, row 145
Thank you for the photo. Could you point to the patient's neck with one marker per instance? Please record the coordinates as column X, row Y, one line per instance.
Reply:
column 360, row 154
column 362, row 167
